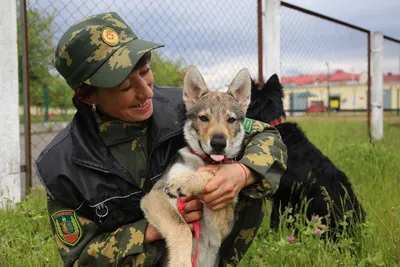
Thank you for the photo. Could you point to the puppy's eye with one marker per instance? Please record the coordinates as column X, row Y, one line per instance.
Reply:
column 203, row 118
column 231, row 120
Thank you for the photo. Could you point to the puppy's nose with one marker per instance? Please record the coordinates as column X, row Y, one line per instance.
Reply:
column 218, row 143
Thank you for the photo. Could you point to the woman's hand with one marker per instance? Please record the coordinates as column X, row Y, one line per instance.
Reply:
column 223, row 189
column 151, row 234
column 193, row 211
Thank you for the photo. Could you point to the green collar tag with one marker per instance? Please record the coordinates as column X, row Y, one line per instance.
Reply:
column 248, row 125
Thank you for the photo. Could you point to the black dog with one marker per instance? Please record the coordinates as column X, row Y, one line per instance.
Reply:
column 310, row 175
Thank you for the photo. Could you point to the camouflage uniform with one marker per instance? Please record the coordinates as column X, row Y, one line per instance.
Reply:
column 81, row 239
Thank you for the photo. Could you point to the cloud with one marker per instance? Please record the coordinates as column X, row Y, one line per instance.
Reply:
column 220, row 75
column 372, row 15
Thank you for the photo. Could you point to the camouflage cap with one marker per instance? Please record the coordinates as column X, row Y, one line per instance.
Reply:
column 99, row 50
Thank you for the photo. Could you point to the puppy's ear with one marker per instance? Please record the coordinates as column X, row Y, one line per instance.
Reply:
column 240, row 88
column 194, row 86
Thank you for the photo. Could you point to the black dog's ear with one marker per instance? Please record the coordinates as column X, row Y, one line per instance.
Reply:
column 274, row 79
column 273, row 85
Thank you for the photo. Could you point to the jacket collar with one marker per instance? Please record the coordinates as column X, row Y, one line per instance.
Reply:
column 167, row 120
column 114, row 132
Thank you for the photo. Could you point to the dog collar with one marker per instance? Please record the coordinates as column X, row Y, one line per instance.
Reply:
column 275, row 122
column 210, row 160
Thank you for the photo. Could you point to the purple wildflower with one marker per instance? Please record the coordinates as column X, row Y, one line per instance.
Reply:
column 314, row 218
column 318, row 232
column 291, row 239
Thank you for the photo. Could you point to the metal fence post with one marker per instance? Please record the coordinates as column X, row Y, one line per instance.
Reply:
column 377, row 87
column 26, row 93
column 260, row 42
column 10, row 179
column 272, row 38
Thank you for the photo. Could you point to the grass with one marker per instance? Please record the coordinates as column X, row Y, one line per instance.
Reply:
column 373, row 168
column 374, row 171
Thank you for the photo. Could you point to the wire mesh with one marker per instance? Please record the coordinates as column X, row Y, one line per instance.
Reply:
column 324, row 65
column 219, row 37
column 391, row 78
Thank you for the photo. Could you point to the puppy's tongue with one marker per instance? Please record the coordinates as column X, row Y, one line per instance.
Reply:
column 217, row 157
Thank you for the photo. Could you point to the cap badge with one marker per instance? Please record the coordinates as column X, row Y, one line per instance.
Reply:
column 110, row 37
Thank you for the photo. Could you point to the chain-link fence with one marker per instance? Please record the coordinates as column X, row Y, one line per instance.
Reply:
column 391, row 77
column 324, row 64
column 219, row 37
column 321, row 56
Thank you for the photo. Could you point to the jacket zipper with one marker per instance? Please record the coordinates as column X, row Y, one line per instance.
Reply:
column 116, row 197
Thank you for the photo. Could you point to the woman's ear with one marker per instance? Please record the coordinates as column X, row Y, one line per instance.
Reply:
column 89, row 100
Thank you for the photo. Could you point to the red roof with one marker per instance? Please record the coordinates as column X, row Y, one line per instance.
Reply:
column 299, row 80
column 337, row 76
column 391, row 78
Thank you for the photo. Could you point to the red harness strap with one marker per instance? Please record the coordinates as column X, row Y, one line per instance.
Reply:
column 196, row 225
column 181, row 205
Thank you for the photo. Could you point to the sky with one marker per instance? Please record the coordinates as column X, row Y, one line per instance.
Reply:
column 380, row 15
column 220, row 37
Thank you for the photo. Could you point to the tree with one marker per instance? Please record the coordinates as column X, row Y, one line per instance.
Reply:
column 166, row 71
column 41, row 49
column 60, row 94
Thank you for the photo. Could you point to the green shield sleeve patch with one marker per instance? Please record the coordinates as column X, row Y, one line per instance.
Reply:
column 67, row 226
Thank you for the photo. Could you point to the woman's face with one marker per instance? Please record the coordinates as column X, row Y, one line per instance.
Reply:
column 131, row 100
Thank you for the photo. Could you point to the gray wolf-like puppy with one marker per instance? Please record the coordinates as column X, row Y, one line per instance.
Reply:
column 213, row 130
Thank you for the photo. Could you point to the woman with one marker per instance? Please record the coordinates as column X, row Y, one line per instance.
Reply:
column 125, row 133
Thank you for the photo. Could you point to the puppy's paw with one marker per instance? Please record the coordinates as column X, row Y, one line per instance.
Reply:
column 174, row 192
column 187, row 184
column 179, row 186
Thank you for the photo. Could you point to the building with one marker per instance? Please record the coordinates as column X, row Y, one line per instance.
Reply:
column 348, row 92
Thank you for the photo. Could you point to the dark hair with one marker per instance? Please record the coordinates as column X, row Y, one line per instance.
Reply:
column 86, row 90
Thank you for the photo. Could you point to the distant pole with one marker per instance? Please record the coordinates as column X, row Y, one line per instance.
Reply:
column 65, row 102
column 398, row 102
column 291, row 103
column 46, row 103
column 377, row 87
column 328, row 87
column 272, row 38
column 354, row 101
